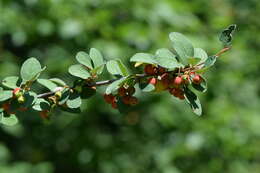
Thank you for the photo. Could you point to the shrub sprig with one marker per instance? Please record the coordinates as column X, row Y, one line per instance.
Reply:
column 178, row 71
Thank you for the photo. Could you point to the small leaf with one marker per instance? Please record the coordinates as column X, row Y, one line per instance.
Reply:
column 226, row 35
column 58, row 81
column 9, row 121
column 11, row 82
column 115, row 85
column 30, row 98
column 116, row 67
column 84, row 59
column 30, row 69
column 41, row 105
column 210, row 61
column 182, row 46
column 193, row 101
column 5, row 95
column 65, row 94
column 79, row 71
column 200, row 53
column 146, row 87
column 167, row 59
column 144, row 58
column 74, row 101
column 97, row 59
column 47, row 83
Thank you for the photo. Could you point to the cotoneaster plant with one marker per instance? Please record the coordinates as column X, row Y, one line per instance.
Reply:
column 177, row 71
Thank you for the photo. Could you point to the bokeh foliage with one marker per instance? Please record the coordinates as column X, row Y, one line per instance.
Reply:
column 161, row 134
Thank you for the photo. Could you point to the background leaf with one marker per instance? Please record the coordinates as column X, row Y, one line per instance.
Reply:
column 9, row 121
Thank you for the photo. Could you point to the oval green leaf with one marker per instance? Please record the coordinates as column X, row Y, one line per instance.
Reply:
column 79, row 70
column 116, row 67
column 84, row 59
column 11, row 82
column 182, row 45
column 30, row 69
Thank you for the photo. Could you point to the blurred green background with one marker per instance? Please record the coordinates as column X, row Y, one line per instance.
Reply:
column 161, row 134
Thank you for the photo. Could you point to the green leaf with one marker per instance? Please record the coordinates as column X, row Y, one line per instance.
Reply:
column 97, row 59
column 41, row 105
column 116, row 67
column 182, row 46
column 9, row 121
column 167, row 59
column 193, row 60
column 84, row 59
column 210, row 61
column 47, row 83
column 30, row 69
column 193, row 101
column 11, row 82
column 226, row 35
column 5, row 95
column 202, row 87
column 30, row 98
column 200, row 53
column 74, row 101
column 146, row 87
column 97, row 70
column 65, row 94
column 58, row 81
column 115, row 85
column 79, row 71
column 143, row 57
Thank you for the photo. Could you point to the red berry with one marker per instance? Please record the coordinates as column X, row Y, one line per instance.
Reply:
column 126, row 100
column 197, row 79
column 150, row 69
column 177, row 81
column 6, row 106
column 109, row 98
column 166, row 79
column 161, row 70
column 114, row 105
column 16, row 91
column 121, row 91
column 152, row 81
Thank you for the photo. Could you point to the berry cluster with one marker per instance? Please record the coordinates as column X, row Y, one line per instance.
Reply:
column 17, row 97
column 124, row 94
column 171, row 81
